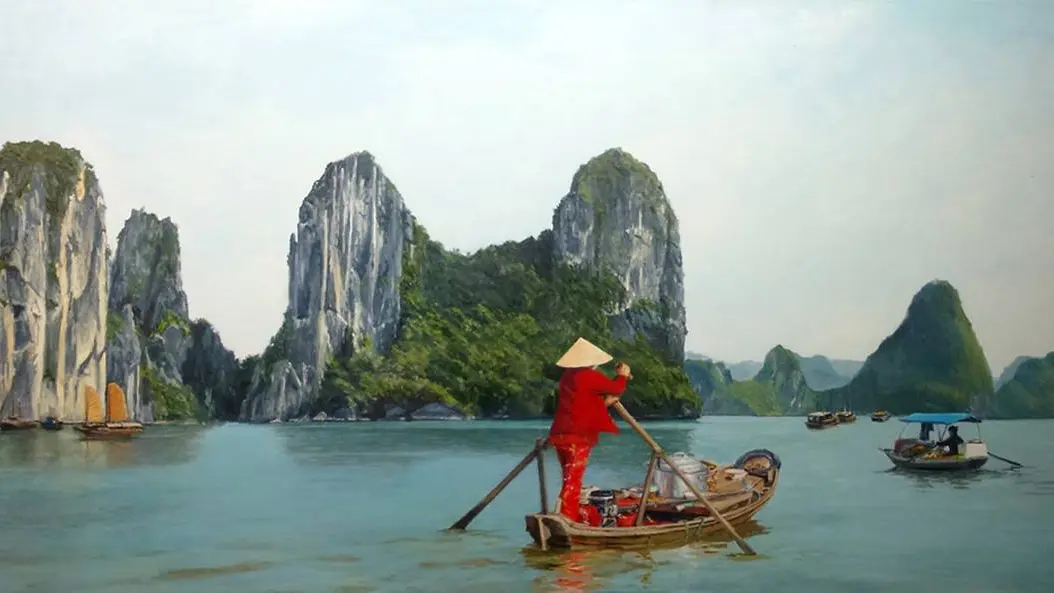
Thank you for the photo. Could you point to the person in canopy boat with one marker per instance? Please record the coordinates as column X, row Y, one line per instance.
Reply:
column 581, row 415
column 952, row 442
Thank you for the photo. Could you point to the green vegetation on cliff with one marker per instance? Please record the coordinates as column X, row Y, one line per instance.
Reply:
column 172, row 401
column 482, row 331
column 1029, row 393
column 933, row 362
column 59, row 169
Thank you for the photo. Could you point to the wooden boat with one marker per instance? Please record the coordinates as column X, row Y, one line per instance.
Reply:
column 51, row 423
column 845, row 416
column 115, row 424
column 16, row 423
column 818, row 420
column 666, row 521
column 880, row 416
column 922, row 454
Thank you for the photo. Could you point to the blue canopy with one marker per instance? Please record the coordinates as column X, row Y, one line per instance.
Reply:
column 940, row 418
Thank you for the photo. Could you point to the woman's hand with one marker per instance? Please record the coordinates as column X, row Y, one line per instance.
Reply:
column 622, row 369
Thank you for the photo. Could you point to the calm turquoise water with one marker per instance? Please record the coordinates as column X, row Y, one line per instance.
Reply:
column 360, row 507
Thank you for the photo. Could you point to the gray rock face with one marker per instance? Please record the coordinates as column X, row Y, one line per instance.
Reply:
column 616, row 218
column 345, row 265
column 145, row 272
column 146, row 291
column 124, row 360
column 53, row 277
column 165, row 364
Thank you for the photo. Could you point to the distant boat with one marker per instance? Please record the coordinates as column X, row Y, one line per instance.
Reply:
column 115, row 424
column 923, row 454
column 845, row 416
column 16, row 423
column 51, row 423
column 880, row 416
column 818, row 420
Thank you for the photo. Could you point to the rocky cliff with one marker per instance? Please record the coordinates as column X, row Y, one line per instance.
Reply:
column 53, row 274
column 932, row 362
column 616, row 219
column 1028, row 393
column 383, row 318
column 168, row 367
column 345, row 266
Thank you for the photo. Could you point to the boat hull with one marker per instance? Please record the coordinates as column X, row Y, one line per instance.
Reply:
column 879, row 418
column 109, row 431
column 559, row 532
column 18, row 424
column 939, row 464
column 820, row 426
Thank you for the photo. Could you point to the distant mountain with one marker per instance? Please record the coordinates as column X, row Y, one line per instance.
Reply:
column 1028, row 393
column 779, row 387
column 932, row 362
column 689, row 355
column 743, row 370
column 820, row 372
column 845, row 367
column 1008, row 372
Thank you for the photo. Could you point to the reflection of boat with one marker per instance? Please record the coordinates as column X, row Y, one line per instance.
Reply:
column 923, row 454
column 16, row 423
column 880, row 416
column 115, row 424
column 616, row 519
column 819, row 420
column 51, row 423
column 845, row 416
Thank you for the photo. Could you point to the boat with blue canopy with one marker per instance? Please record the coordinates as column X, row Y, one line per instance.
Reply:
column 948, row 452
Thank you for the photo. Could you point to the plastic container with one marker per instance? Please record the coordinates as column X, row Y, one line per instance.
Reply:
column 670, row 484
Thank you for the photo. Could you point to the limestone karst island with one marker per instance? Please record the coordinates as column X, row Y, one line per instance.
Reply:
column 383, row 322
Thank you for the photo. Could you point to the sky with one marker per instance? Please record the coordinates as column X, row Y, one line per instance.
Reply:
column 825, row 159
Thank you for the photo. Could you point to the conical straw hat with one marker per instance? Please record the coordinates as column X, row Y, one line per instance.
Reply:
column 583, row 354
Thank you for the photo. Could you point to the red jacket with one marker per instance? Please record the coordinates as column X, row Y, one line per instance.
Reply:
column 580, row 411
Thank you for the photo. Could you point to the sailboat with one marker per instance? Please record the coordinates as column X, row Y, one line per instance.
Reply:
column 115, row 424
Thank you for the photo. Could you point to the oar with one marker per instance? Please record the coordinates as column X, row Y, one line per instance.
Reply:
column 1010, row 461
column 463, row 522
column 743, row 545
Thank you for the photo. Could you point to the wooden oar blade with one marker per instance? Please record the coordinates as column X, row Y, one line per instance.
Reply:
column 463, row 522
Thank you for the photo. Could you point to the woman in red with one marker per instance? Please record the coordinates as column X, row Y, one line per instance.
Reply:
column 582, row 414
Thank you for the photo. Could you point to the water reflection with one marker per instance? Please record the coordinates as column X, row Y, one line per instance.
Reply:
column 960, row 480
column 591, row 569
column 390, row 443
column 157, row 445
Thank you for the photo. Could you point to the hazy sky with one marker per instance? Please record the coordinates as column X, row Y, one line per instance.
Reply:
column 826, row 159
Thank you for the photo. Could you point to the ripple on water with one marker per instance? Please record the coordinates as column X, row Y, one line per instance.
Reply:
column 212, row 571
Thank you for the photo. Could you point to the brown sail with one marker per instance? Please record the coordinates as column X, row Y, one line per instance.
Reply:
column 115, row 424
column 116, row 410
column 92, row 406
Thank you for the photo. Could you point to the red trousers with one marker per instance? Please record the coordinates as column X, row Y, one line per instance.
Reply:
column 573, row 458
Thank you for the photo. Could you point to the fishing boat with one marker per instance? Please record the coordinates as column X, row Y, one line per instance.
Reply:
column 115, row 424
column 666, row 514
column 879, row 416
column 51, row 423
column 818, row 420
column 923, row 454
column 16, row 423
column 845, row 416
